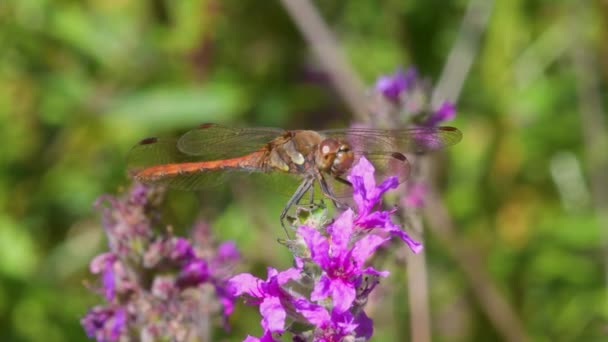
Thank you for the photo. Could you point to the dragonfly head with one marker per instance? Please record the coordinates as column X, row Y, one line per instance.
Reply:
column 334, row 156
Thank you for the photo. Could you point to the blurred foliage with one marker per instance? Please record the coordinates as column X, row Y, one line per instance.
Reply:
column 82, row 81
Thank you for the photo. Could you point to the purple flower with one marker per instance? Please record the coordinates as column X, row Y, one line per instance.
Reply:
column 268, row 294
column 181, row 250
column 105, row 324
column 367, row 196
column 341, row 261
column 365, row 192
column 226, row 299
column 392, row 86
column 126, row 224
column 104, row 264
column 155, row 276
column 139, row 195
column 446, row 112
column 227, row 252
column 331, row 282
column 193, row 274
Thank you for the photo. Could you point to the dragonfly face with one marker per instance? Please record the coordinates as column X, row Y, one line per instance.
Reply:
column 334, row 157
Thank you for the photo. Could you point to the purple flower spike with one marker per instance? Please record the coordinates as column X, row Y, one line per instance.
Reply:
column 152, row 282
column 446, row 112
column 392, row 86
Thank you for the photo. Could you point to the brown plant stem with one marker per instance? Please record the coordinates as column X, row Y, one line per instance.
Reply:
column 462, row 55
column 495, row 305
column 417, row 287
column 417, row 274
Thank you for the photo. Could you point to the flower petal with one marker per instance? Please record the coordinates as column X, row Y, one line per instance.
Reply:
column 365, row 247
column 343, row 294
column 317, row 243
column 315, row 314
column 447, row 111
column 245, row 283
column 273, row 315
column 364, row 170
column 341, row 232
column 414, row 245
column 287, row 275
column 387, row 184
column 375, row 272
column 365, row 326
column 321, row 290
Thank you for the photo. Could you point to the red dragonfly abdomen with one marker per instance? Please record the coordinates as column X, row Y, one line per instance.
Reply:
column 249, row 162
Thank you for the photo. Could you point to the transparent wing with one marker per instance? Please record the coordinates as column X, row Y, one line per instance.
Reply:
column 156, row 151
column 213, row 142
column 417, row 139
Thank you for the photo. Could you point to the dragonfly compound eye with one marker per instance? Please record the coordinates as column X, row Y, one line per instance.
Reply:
column 326, row 154
column 343, row 160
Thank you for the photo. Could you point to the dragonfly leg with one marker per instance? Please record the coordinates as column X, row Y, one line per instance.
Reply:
column 328, row 193
column 312, row 195
column 297, row 196
column 345, row 182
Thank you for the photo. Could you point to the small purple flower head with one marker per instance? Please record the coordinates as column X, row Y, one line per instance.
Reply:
column 365, row 192
column 341, row 261
column 168, row 250
column 139, row 195
column 193, row 273
column 447, row 111
column 367, row 196
column 126, row 223
column 104, row 264
column 415, row 195
column 337, row 326
column 105, row 324
column 392, row 86
column 226, row 299
column 227, row 252
column 181, row 250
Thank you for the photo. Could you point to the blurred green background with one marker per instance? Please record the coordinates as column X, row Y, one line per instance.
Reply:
column 82, row 81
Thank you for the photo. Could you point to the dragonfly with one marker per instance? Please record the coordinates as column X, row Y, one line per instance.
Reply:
column 204, row 156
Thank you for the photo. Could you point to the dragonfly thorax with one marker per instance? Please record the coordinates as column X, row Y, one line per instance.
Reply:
column 334, row 156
